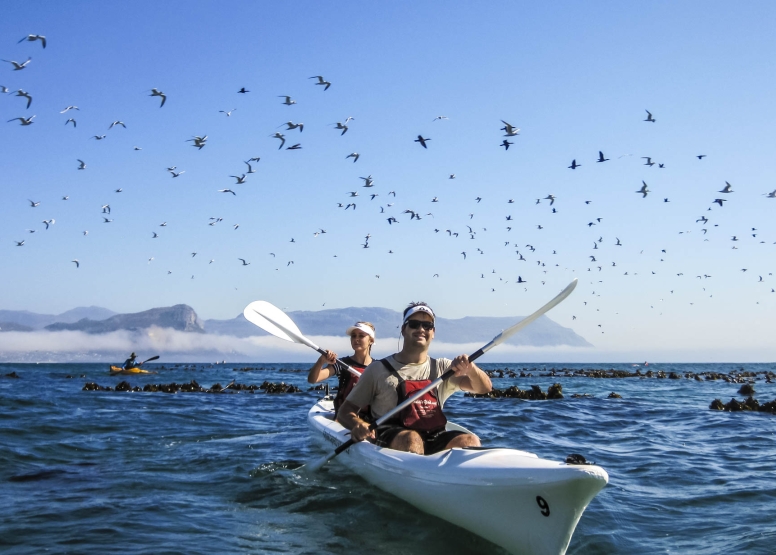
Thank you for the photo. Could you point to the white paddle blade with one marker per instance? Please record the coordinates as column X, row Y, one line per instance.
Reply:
column 256, row 311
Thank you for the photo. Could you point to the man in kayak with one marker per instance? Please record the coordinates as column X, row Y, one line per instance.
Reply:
column 420, row 428
column 362, row 337
column 130, row 362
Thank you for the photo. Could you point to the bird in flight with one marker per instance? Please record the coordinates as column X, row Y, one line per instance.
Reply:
column 719, row 201
column 422, row 141
column 81, row 164
column 353, row 155
column 229, row 113
column 157, row 92
column 321, row 81
column 297, row 146
column 33, row 38
column 282, row 139
column 23, row 121
column 34, row 204
column 227, row 191
column 649, row 161
column 243, row 91
column 115, row 123
column 342, row 126
column 244, row 263
column 601, row 157
column 643, row 190
column 574, row 164
column 291, row 125
column 240, row 179
column 26, row 95
column 287, row 101
column 17, row 66
column 728, row 188
column 701, row 156
column 649, row 117
column 510, row 130
column 439, row 117
column 506, row 144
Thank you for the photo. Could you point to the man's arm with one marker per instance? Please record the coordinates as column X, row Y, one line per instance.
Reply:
column 469, row 377
column 348, row 417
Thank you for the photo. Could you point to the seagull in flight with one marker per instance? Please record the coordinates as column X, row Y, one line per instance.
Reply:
column 287, row 101
column 227, row 191
column 250, row 168
column 422, row 141
column 551, row 198
column 23, row 121
column 649, row 117
column 19, row 243
column 32, row 38
column 244, row 263
column 115, row 123
column 643, row 190
column 81, row 164
column 648, row 162
column 342, row 126
column 229, row 113
column 240, row 179
column 297, row 146
column 728, row 188
column 34, row 204
column 353, row 155
column 70, row 108
column 77, row 264
column 26, row 95
column 17, row 66
column 321, row 81
column 74, row 124
column 157, row 92
column 439, row 117
column 177, row 174
column 282, row 139
column 510, row 130
column 291, row 125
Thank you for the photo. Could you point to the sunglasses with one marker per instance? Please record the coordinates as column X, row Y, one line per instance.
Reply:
column 415, row 324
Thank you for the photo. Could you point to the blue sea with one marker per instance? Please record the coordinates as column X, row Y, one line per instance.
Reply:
column 138, row 472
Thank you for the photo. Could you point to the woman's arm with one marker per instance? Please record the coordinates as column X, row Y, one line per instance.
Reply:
column 317, row 372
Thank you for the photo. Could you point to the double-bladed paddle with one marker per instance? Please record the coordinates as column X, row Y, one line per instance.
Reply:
column 281, row 331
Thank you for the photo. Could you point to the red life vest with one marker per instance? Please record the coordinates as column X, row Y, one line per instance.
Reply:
column 425, row 413
column 346, row 381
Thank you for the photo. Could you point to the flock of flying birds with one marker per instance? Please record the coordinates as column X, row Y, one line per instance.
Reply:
column 295, row 129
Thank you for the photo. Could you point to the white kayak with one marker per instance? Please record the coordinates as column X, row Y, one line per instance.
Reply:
column 512, row 498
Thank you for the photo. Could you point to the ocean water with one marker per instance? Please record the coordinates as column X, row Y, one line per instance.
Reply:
column 129, row 472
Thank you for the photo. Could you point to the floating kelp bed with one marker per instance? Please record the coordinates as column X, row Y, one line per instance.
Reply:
column 734, row 376
column 194, row 387
column 555, row 391
column 750, row 404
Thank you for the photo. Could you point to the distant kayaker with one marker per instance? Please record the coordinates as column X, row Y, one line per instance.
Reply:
column 362, row 337
column 420, row 428
column 130, row 362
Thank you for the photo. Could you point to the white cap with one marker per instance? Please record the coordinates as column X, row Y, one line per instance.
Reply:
column 361, row 327
column 416, row 309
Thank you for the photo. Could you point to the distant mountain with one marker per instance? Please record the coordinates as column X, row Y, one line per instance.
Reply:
column 39, row 321
column 543, row 332
column 180, row 317
column 13, row 326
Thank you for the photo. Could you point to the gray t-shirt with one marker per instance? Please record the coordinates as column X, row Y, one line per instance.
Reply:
column 377, row 386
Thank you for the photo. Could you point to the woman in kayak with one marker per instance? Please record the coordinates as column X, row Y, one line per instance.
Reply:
column 362, row 337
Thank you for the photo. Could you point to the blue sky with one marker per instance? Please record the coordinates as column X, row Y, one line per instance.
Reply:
column 576, row 78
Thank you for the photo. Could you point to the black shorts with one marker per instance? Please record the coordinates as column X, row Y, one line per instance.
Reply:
column 434, row 441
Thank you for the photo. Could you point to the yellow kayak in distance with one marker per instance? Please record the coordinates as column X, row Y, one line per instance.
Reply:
column 119, row 370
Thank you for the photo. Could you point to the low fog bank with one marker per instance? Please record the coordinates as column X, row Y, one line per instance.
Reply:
column 177, row 346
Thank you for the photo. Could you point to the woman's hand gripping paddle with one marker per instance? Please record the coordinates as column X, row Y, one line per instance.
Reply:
column 500, row 338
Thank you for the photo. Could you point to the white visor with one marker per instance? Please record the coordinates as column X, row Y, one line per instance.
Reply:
column 361, row 327
column 416, row 309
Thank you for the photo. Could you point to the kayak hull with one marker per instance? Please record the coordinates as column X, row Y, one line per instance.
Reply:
column 119, row 370
column 512, row 498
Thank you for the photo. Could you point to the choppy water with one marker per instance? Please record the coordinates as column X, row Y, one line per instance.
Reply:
column 96, row 472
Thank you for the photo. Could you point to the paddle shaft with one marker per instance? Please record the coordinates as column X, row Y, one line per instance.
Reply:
column 148, row 360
